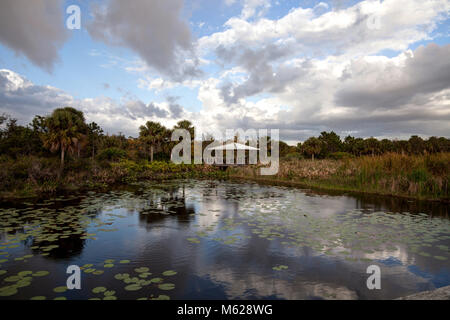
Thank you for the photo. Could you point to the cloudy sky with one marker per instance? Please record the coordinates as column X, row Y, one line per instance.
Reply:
column 365, row 68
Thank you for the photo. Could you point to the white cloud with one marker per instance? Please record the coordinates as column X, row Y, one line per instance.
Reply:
column 23, row 99
column 343, row 32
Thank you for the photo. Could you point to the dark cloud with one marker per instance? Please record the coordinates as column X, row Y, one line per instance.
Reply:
column 138, row 109
column 390, row 86
column 175, row 109
column 34, row 28
column 154, row 29
column 265, row 73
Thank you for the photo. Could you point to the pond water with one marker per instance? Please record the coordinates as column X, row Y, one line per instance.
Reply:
column 221, row 240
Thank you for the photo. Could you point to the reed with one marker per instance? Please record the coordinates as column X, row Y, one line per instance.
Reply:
column 417, row 176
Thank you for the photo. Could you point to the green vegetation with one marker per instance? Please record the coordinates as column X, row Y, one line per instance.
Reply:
column 86, row 157
column 417, row 176
column 61, row 152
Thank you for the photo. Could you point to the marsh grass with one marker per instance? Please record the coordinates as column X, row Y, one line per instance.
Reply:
column 419, row 176
column 33, row 176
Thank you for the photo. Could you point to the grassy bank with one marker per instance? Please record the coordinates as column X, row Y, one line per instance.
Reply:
column 34, row 177
column 421, row 176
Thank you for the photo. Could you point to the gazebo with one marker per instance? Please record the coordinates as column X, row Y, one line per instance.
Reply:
column 233, row 146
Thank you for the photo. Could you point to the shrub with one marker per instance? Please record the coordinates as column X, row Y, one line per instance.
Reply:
column 112, row 154
column 340, row 155
column 293, row 156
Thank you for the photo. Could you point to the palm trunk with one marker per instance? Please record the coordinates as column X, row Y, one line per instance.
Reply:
column 151, row 153
column 61, row 168
column 312, row 157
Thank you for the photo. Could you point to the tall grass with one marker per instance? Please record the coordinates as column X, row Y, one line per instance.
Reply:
column 32, row 176
column 422, row 176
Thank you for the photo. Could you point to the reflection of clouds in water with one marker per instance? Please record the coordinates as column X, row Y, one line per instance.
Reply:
column 244, row 286
column 273, row 206
column 210, row 213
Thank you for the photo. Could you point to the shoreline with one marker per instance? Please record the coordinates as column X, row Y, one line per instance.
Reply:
column 342, row 190
column 442, row 293
column 13, row 197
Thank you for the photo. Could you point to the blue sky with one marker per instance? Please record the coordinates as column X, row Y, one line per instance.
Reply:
column 301, row 66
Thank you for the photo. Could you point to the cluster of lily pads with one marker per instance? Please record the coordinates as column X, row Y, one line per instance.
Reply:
column 20, row 280
column 273, row 214
column 40, row 228
column 356, row 235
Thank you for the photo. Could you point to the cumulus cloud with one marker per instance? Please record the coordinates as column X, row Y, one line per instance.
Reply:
column 22, row 99
column 372, row 96
column 34, row 29
column 393, row 84
column 138, row 109
column 153, row 29
column 346, row 31
column 312, row 70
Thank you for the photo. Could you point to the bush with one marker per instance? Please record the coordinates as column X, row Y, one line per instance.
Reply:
column 293, row 156
column 112, row 154
column 340, row 155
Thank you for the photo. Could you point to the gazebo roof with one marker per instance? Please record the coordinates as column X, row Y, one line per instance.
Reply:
column 234, row 146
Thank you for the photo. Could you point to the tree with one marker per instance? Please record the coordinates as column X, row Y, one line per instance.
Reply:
column 417, row 145
column 153, row 135
column 312, row 147
column 372, row 146
column 65, row 130
column 187, row 125
column 95, row 132
column 17, row 140
column 331, row 143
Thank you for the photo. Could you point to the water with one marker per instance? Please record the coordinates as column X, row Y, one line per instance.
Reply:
column 222, row 240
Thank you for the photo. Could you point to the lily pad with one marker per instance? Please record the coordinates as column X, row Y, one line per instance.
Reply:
column 166, row 286
column 24, row 273
column 162, row 297
column 60, row 289
column 169, row 273
column 133, row 287
column 7, row 292
column 99, row 289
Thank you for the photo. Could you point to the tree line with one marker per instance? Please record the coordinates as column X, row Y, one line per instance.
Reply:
column 330, row 145
column 67, row 133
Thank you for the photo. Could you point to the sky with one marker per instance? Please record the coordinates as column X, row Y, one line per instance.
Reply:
column 360, row 68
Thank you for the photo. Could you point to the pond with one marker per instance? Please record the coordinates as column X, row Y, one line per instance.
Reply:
column 192, row 239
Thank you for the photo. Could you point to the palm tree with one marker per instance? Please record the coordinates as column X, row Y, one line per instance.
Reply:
column 153, row 135
column 312, row 146
column 65, row 132
column 187, row 125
